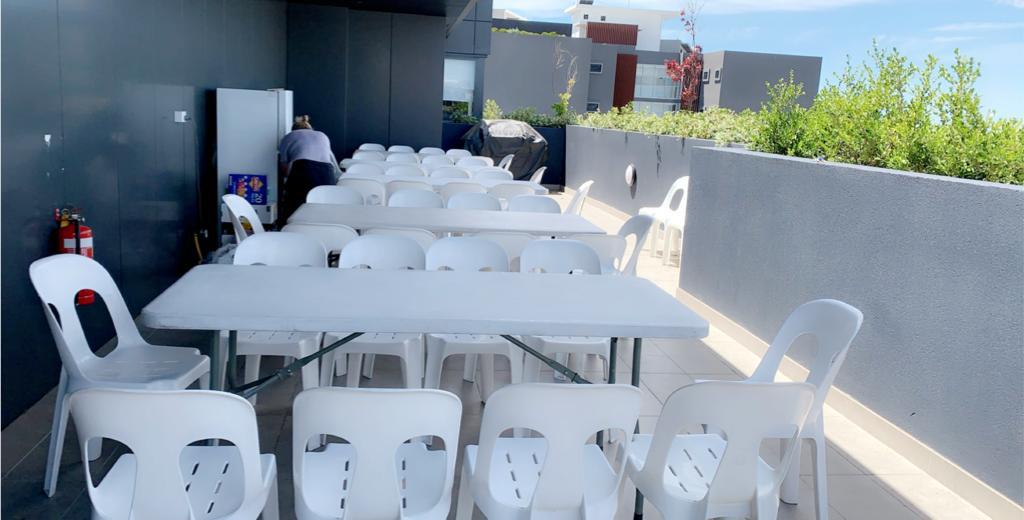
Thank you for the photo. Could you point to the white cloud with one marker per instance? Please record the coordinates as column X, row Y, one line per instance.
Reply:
column 1019, row 4
column 979, row 26
column 954, row 39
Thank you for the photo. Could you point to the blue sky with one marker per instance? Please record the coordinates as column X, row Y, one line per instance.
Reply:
column 991, row 31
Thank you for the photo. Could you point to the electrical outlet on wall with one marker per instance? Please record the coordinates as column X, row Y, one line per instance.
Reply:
column 180, row 116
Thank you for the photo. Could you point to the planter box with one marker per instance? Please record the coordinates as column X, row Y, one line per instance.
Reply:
column 602, row 155
column 935, row 263
column 451, row 137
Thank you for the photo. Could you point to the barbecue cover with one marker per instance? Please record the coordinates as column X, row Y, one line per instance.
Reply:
column 496, row 138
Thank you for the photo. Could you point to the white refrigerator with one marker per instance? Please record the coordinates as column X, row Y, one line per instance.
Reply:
column 250, row 125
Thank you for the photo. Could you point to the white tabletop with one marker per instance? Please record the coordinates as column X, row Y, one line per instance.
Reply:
column 307, row 299
column 438, row 182
column 444, row 220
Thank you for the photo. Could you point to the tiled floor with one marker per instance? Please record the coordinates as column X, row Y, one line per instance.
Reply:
column 867, row 480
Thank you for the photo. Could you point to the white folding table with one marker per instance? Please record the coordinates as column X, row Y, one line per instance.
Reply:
column 439, row 182
column 444, row 220
column 306, row 299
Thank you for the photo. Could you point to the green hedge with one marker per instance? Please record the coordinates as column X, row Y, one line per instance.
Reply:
column 719, row 124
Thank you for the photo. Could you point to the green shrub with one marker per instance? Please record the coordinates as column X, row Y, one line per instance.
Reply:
column 527, row 33
column 491, row 109
column 892, row 113
column 719, row 124
column 529, row 115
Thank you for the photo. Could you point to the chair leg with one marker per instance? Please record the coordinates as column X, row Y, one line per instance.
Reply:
column 486, row 376
column 819, row 456
column 272, row 509
column 666, row 246
column 652, row 239
column 355, row 363
column 469, row 369
column 563, row 359
column 252, row 372
column 413, row 363
column 94, row 448
column 340, row 368
column 464, row 509
column 368, row 366
column 515, row 363
column 327, row 368
column 531, row 369
column 435, row 363
column 790, row 492
column 57, row 430
column 204, row 381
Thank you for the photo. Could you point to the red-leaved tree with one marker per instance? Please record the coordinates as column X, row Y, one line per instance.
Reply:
column 688, row 72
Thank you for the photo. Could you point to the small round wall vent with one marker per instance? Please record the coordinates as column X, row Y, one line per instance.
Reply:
column 630, row 175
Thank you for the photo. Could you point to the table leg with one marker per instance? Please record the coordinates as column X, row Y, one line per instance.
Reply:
column 232, row 359
column 613, row 347
column 216, row 358
column 638, row 504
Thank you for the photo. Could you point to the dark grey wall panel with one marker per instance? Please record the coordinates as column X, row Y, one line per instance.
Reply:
column 417, row 77
column 369, row 66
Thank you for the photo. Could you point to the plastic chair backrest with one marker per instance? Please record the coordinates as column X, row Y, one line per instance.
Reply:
column 512, row 242
column 382, row 252
column 575, row 206
column 559, row 256
column 401, row 148
column 333, row 237
column 506, row 162
column 157, row 426
column 364, row 169
column 335, row 195
column 538, row 175
column 395, row 186
column 450, row 189
column 492, row 172
column 474, row 201
column 677, row 189
column 375, row 484
column 566, row 416
column 281, row 248
column 534, row 204
column 474, row 161
column 833, row 325
column 635, row 229
column 458, row 153
column 433, row 151
column 405, row 170
column 372, row 147
column 415, row 199
column 467, row 254
column 57, row 280
column 746, row 414
column 449, row 172
column 609, row 248
column 372, row 190
column 403, row 157
column 511, row 190
column 436, row 160
column 368, row 155
column 421, row 236
column 240, row 210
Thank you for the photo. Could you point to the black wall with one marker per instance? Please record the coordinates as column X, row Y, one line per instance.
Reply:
column 367, row 76
column 103, row 78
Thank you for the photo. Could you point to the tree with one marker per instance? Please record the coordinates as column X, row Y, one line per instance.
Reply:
column 688, row 72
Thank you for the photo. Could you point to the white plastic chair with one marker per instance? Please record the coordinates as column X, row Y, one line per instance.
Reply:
column 672, row 208
column 167, row 475
column 469, row 254
column 474, row 162
column 430, row 161
column 240, row 211
column 457, row 153
column 379, row 473
column 534, row 204
column 513, row 242
column 395, row 186
column 449, row 172
column 372, row 189
column 562, row 475
column 511, row 190
column 415, row 199
column 369, row 155
column 403, row 157
column 364, row 169
column 432, row 151
column 474, row 201
column 612, row 249
column 538, row 175
column 132, row 364
column 333, row 237
column 832, row 324
column 506, row 162
column 701, row 476
column 401, row 148
column 380, row 251
column 280, row 249
column 421, row 236
column 453, row 187
column 405, row 170
column 575, row 206
column 492, row 172
column 372, row 147
column 335, row 195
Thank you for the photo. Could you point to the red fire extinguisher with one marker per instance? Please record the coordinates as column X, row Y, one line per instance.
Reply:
column 74, row 237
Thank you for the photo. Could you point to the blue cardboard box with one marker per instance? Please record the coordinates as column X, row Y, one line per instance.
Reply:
column 252, row 188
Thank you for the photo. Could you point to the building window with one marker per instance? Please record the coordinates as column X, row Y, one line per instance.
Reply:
column 653, row 83
column 459, row 85
column 586, row 16
column 596, row 68
column 602, row 18
column 593, row 106
column 704, row 76
column 718, row 75
column 655, row 107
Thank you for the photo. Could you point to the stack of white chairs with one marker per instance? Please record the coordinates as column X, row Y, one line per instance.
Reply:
column 405, row 170
column 575, row 206
column 372, row 190
column 455, row 154
column 400, row 148
column 454, row 187
column 493, row 173
column 242, row 214
column 669, row 218
column 534, row 204
column 372, row 147
column 469, row 200
column 364, row 169
column 339, row 195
